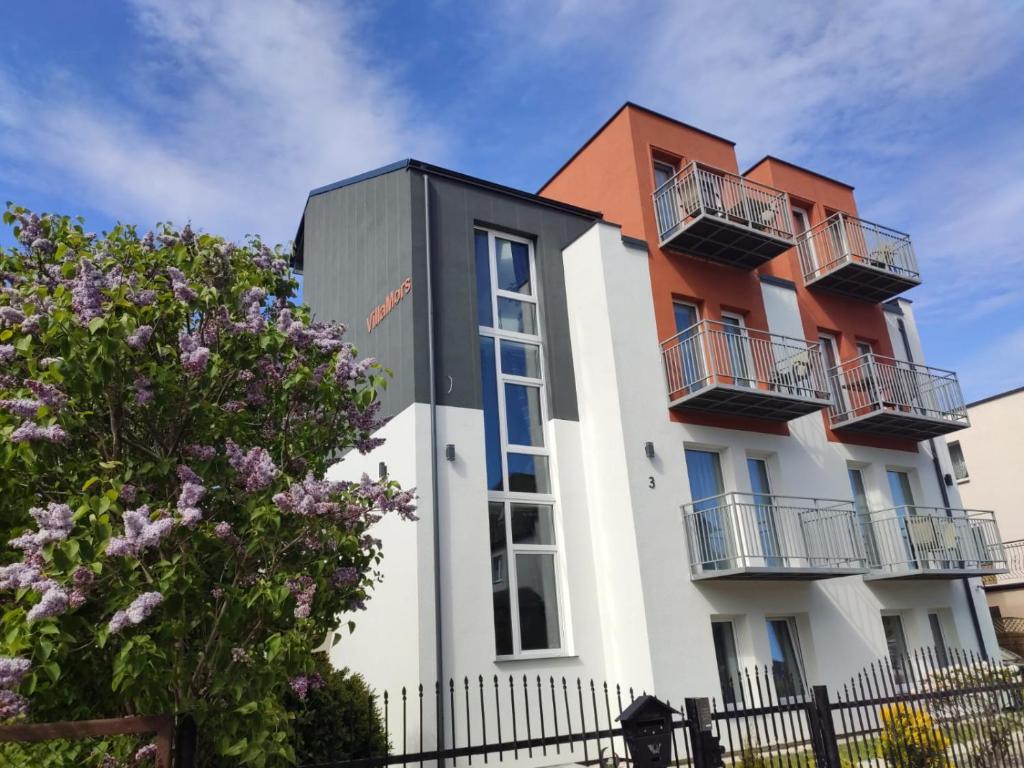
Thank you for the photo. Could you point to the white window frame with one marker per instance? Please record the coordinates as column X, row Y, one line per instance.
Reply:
column 505, row 496
column 801, row 664
column 745, row 349
column 838, row 391
column 898, row 677
column 739, row 695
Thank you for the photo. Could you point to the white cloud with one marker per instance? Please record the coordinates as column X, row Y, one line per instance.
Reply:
column 240, row 108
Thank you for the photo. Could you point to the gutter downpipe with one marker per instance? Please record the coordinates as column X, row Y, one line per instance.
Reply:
column 940, row 478
column 434, row 496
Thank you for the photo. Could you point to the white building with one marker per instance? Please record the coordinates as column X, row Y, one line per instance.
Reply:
column 567, row 387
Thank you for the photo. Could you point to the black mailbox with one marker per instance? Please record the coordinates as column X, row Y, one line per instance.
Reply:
column 647, row 730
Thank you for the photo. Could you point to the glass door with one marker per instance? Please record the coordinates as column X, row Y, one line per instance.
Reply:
column 738, row 353
column 687, row 357
column 804, row 244
column 830, row 356
column 896, row 643
column 903, row 502
column 768, row 533
column 860, row 505
column 711, row 524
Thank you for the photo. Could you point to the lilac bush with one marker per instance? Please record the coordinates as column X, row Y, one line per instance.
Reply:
column 168, row 540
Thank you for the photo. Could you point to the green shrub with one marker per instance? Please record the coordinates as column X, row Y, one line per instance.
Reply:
column 338, row 720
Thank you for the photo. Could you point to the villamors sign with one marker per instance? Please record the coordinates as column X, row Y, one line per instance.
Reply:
column 382, row 310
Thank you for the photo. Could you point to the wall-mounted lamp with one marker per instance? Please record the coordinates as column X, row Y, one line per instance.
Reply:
column 449, row 452
column 382, row 470
column 948, row 478
column 649, row 450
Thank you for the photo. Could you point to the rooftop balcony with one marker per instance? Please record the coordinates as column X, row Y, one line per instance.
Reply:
column 715, row 367
column 716, row 215
column 884, row 396
column 847, row 255
column 758, row 536
column 932, row 543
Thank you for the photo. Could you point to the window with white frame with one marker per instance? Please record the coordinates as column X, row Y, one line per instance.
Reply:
column 524, row 552
column 787, row 658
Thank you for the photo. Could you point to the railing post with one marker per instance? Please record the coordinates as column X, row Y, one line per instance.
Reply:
column 706, row 751
column 823, row 731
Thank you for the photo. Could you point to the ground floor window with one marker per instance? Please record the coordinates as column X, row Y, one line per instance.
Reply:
column 938, row 640
column 524, row 579
column 787, row 661
column 896, row 643
column 724, row 636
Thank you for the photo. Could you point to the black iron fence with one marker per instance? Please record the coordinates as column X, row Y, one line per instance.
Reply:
column 541, row 721
column 932, row 708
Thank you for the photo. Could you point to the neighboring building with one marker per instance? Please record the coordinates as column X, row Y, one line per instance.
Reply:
column 987, row 458
column 653, row 451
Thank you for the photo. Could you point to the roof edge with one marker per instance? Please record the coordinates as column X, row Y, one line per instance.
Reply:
column 990, row 398
column 799, row 168
column 606, row 123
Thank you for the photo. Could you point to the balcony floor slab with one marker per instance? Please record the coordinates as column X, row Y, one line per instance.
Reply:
column 892, row 422
column 736, row 400
column 923, row 574
column 779, row 573
column 724, row 241
column 862, row 280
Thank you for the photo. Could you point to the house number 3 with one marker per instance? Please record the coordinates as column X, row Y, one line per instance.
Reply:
column 650, row 481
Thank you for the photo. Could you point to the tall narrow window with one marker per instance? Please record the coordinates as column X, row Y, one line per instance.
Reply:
column 662, row 173
column 724, row 636
column 896, row 642
column 524, row 552
column 860, row 506
column 941, row 650
column 787, row 662
column 956, row 455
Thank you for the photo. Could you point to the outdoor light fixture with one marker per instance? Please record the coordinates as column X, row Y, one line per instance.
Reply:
column 649, row 450
column 382, row 470
column 449, row 452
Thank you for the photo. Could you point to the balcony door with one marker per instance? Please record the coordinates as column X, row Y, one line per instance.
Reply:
column 738, row 353
column 903, row 503
column 711, row 523
column 805, row 244
column 686, row 358
column 860, row 505
column 768, row 533
column 830, row 356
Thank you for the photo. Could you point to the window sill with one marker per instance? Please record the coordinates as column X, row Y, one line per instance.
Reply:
column 963, row 480
column 535, row 657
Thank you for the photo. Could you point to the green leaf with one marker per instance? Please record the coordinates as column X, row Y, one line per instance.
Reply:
column 89, row 483
column 96, row 323
column 247, row 709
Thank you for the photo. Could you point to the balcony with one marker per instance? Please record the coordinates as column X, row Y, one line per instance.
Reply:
column 932, row 543
column 856, row 258
column 883, row 396
column 715, row 215
column 759, row 536
column 1014, row 574
column 715, row 367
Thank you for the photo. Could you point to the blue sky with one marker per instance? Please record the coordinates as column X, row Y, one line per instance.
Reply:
column 226, row 113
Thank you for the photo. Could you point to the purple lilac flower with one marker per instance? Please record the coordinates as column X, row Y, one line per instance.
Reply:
column 167, row 240
column 140, row 338
column 143, row 393
column 179, row 284
column 311, row 497
column 87, row 292
column 54, row 522
column 303, row 588
column 223, row 531
column 43, row 245
column 255, row 466
column 240, row 656
column 217, row 593
column 53, row 603
column 30, row 230
column 136, row 613
column 202, row 452
column 301, row 685
column 140, row 533
column 144, row 298
column 29, row 431
column 295, row 330
column 6, row 353
column 18, row 575
column 147, row 241
column 225, row 249
column 233, row 406
column 128, row 493
column 46, row 362
column 11, row 316
column 12, row 670
column 187, row 235
column 30, row 324
column 193, row 356
column 12, row 704
column 24, row 407
column 48, row 393
column 144, row 754
column 345, row 577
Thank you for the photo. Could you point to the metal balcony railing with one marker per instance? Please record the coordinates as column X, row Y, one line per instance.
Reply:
column 872, row 384
column 1014, row 552
column 698, row 189
column 766, row 534
column 916, row 541
column 712, row 353
column 843, row 239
